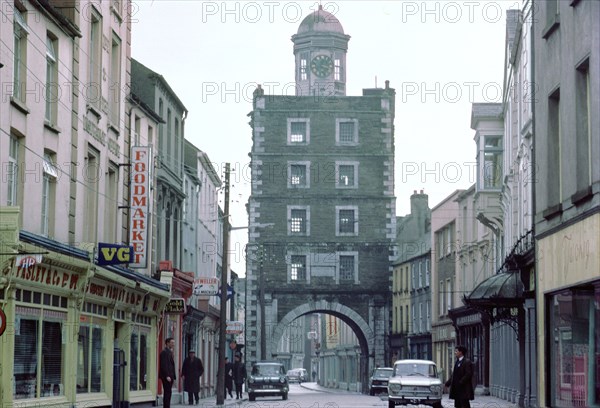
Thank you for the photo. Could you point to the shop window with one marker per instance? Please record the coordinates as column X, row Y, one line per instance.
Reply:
column 39, row 353
column 89, row 357
column 574, row 371
column 138, row 368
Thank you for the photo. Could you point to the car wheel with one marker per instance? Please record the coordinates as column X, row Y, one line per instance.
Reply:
column 251, row 397
column 438, row 405
column 284, row 396
column 391, row 404
column 371, row 392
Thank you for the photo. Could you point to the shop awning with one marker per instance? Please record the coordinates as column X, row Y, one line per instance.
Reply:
column 503, row 289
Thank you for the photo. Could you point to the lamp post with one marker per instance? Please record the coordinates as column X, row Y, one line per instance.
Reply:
column 223, row 310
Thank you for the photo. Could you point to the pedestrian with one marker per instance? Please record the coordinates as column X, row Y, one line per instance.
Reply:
column 460, row 383
column 166, row 372
column 191, row 371
column 228, row 377
column 239, row 375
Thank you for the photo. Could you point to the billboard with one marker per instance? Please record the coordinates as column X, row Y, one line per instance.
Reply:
column 140, row 199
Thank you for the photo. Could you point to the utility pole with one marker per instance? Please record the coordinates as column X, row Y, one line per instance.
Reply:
column 224, row 278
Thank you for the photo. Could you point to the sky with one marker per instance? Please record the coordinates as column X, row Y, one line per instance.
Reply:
column 439, row 56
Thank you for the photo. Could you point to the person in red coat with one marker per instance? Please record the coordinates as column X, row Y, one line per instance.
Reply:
column 461, row 387
column 191, row 371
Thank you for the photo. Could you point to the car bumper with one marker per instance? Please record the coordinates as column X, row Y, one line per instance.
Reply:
column 414, row 400
column 268, row 391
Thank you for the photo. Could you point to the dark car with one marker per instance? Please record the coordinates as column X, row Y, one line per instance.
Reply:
column 379, row 380
column 267, row 378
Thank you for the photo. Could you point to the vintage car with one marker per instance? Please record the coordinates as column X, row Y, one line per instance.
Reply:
column 267, row 378
column 415, row 382
column 379, row 380
column 298, row 375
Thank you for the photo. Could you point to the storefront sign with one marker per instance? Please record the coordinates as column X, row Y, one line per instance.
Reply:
column 175, row 306
column 2, row 322
column 206, row 286
column 27, row 261
column 111, row 254
column 47, row 275
column 468, row 320
column 140, row 204
column 234, row 327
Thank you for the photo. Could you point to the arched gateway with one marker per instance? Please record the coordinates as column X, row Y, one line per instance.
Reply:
column 322, row 221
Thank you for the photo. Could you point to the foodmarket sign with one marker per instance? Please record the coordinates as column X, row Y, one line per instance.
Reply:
column 140, row 204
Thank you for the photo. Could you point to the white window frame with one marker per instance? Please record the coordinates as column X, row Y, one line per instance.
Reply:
column 448, row 295
column 12, row 172
column 353, row 254
column 51, row 88
column 491, row 181
column 94, row 90
column 339, row 208
column 48, row 183
column 306, row 165
column 426, row 272
column 337, row 69
column 20, row 32
column 441, row 299
column 289, row 131
column 338, row 183
column 338, row 122
column 303, row 69
column 306, row 208
column 115, row 81
column 420, row 274
column 420, row 317
column 429, row 315
column 306, row 267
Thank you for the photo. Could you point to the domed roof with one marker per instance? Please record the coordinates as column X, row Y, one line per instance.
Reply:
column 320, row 21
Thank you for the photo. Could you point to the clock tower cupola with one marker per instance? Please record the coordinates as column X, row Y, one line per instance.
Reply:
column 320, row 48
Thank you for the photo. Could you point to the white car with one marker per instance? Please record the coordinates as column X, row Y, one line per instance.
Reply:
column 415, row 382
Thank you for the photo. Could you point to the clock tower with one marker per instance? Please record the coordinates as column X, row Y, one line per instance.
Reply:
column 320, row 48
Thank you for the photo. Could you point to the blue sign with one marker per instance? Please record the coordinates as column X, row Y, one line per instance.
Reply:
column 112, row 254
column 230, row 292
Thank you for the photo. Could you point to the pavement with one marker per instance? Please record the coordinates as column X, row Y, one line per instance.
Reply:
column 481, row 401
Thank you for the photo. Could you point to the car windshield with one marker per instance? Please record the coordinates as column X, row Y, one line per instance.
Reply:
column 383, row 372
column 408, row 369
column 266, row 369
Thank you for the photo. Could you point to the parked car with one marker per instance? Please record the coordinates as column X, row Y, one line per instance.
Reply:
column 379, row 380
column 267, row 378
column 298, row 375
column 415, row 382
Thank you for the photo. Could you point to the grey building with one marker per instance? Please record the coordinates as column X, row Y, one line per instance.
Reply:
column 566, row 45
column 322, row 206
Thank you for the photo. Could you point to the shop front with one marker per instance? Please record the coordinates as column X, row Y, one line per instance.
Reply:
column 66, row 319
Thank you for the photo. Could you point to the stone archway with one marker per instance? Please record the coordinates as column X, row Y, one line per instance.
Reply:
column 363, row 331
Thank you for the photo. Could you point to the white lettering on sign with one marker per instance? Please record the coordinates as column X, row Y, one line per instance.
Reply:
column 140, row 204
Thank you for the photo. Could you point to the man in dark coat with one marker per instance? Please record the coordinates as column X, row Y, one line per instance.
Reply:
column 228, row 377
column 239, row 375
column 191, row 370
column 166, row 371
column 461, row 387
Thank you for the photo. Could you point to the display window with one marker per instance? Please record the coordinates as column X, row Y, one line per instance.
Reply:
column 574, row 346
column 139, row 353
column 90, row 347
column 39, row 345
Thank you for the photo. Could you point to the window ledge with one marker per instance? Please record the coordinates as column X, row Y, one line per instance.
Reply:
column 114, row 128
column 51, row 127
column 582, row 196
column 19, row 105
column 552, row 211
column 551, row 27
column 94, row 110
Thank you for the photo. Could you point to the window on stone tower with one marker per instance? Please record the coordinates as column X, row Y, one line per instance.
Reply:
column 298, row 131
column 298, row 220
column 347, row 220
column 346, row 175
column 298, row 174
column 298, row 267
column 337, row 70
column 303, row 75
column 346, row 132
column 347, row 266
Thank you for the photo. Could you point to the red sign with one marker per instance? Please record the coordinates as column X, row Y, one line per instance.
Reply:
column 2, row 322
column 140, row 204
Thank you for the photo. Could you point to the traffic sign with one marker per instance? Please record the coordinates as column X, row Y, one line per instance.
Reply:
column 230, row 292
column 234, row 327
column 206, row 286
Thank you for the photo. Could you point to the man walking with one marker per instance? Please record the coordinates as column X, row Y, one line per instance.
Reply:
column 461, row 387
column 166, row 372
column 191, row 370
column 228, row 377
column 239, row 375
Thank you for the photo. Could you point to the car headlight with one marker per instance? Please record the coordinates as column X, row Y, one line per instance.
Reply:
column 282, row 380
column 395, row 388
column 435, row 389
column 251, row 380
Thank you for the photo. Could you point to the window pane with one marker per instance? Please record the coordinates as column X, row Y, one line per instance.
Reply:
column 298, row 267
column 346, row 175
column 298, row 132
column 346, row 131
column 346, row 267
column 143, row 360
column 298, row 221
column 298, row 175
column 346, row 224
column 83, row 358
column 25, row 366
column 133, row 362
column 96, row 375
column 52, row 352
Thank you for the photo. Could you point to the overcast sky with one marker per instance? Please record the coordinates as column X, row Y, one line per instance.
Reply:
column 440, row 56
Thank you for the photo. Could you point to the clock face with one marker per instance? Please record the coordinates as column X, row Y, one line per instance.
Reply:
column 321, row 65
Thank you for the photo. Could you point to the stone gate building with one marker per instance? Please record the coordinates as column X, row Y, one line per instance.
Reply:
column 322, row 206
